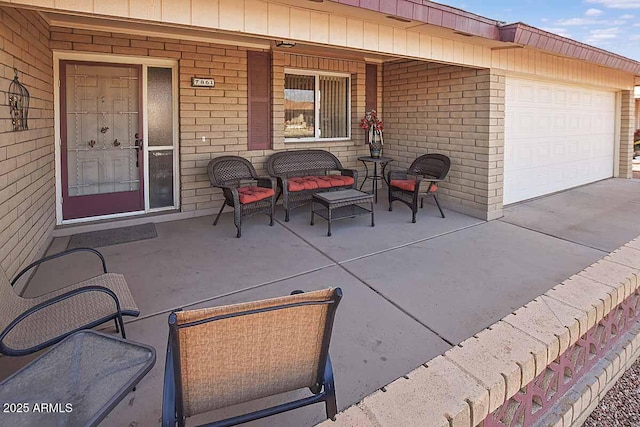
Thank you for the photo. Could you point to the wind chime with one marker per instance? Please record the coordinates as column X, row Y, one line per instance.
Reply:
column 18, row 104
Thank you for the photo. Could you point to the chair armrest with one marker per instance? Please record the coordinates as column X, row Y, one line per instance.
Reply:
column 44, row 304
column 267, row 182
column 430, row 178
column 397, row 175
column 58, row 255
column 350, row 172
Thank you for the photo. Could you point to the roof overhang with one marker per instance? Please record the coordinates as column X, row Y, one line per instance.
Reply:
column 470, row 24
column 526, row 35
column 432, row 13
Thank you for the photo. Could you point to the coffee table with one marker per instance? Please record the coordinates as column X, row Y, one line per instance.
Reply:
column 76, row 383
column 342, row 204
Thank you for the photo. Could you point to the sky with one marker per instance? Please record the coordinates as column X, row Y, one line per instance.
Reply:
column 613, row 25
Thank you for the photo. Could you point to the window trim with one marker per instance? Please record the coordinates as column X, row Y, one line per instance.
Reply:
column 316, row 75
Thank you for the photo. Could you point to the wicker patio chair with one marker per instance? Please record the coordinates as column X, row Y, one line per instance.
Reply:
column 31, row 324
column 420, row 180
column 221, row 356
column 246, row 192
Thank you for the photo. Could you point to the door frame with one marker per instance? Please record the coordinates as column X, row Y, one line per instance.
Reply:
column 107, row 59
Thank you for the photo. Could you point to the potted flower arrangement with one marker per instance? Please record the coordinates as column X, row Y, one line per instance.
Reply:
column 373, row 127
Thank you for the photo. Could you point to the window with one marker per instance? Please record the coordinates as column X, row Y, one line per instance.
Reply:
column 316, row 106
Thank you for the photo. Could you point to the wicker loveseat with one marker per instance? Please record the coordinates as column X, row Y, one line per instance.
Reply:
column 302, row 173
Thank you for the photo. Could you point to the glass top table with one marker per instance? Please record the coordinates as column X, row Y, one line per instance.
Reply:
column 76, row 383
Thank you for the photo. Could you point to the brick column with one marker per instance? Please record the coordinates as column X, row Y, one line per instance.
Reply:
column 495, row 154
column 627, row 127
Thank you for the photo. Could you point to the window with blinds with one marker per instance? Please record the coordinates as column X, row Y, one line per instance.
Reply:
column 316, row 106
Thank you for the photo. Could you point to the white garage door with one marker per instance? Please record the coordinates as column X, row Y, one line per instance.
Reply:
column 556, row 137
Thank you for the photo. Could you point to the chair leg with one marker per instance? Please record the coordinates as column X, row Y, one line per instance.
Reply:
column 219, row 213
column 330, row 389
column 421, row 202
column 117, row 326
column 438, row 204
column 121, row 323
column 413, row 217
column 239, row 233
column 286, row 215
column 271, row 215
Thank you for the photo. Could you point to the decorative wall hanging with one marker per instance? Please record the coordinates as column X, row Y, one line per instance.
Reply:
column 18, row 104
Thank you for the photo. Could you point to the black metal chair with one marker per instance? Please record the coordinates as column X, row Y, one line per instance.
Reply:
column 246, row 192
column 420, row 180
column 223, row 356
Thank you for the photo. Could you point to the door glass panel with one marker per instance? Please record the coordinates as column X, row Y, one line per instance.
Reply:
column 102, row 109
column 159, row 106
column 160, row 178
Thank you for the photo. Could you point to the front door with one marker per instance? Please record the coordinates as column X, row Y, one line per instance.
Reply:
column 101, row 139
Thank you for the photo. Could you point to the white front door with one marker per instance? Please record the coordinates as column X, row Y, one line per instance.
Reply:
column 557, row 136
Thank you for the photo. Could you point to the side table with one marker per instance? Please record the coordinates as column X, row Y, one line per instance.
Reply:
column 76, row 383
column 384, row 161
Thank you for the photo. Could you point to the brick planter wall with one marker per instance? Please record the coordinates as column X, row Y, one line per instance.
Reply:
column 27, row 183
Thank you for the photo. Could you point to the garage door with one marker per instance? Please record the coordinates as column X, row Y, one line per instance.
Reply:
column 556, row 137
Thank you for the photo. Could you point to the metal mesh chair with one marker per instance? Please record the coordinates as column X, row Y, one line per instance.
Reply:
column 420, row 180
column 222, row 356
column 246, row 192
column 28, row 325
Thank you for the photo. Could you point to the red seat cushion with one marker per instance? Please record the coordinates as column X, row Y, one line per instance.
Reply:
column 302, row 183
column 410, row 185
column 253, row 194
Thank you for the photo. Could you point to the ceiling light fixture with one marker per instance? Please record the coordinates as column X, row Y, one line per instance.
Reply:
column 284, row 43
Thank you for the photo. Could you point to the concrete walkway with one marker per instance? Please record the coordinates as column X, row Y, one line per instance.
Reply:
column 411, row 291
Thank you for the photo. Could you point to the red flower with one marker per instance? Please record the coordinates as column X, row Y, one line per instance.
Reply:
column 371, row 120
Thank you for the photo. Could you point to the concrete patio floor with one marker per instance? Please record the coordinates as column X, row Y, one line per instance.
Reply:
column 411, row 291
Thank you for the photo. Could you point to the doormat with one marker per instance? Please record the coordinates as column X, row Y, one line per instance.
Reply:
column 115, row 236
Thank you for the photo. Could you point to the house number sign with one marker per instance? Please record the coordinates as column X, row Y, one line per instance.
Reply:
column 202, row 82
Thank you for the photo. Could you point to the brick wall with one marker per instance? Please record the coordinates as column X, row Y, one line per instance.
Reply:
column 27, row 189
column 456, row 111
column 220, row 114
column 627, row 127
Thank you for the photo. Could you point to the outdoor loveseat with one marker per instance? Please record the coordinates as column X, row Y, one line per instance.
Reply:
column 302, row 173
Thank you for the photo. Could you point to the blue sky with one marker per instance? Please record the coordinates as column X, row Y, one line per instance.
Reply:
column 613, row 25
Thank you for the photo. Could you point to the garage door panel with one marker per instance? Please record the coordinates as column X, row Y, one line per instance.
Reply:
column 556, row 137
